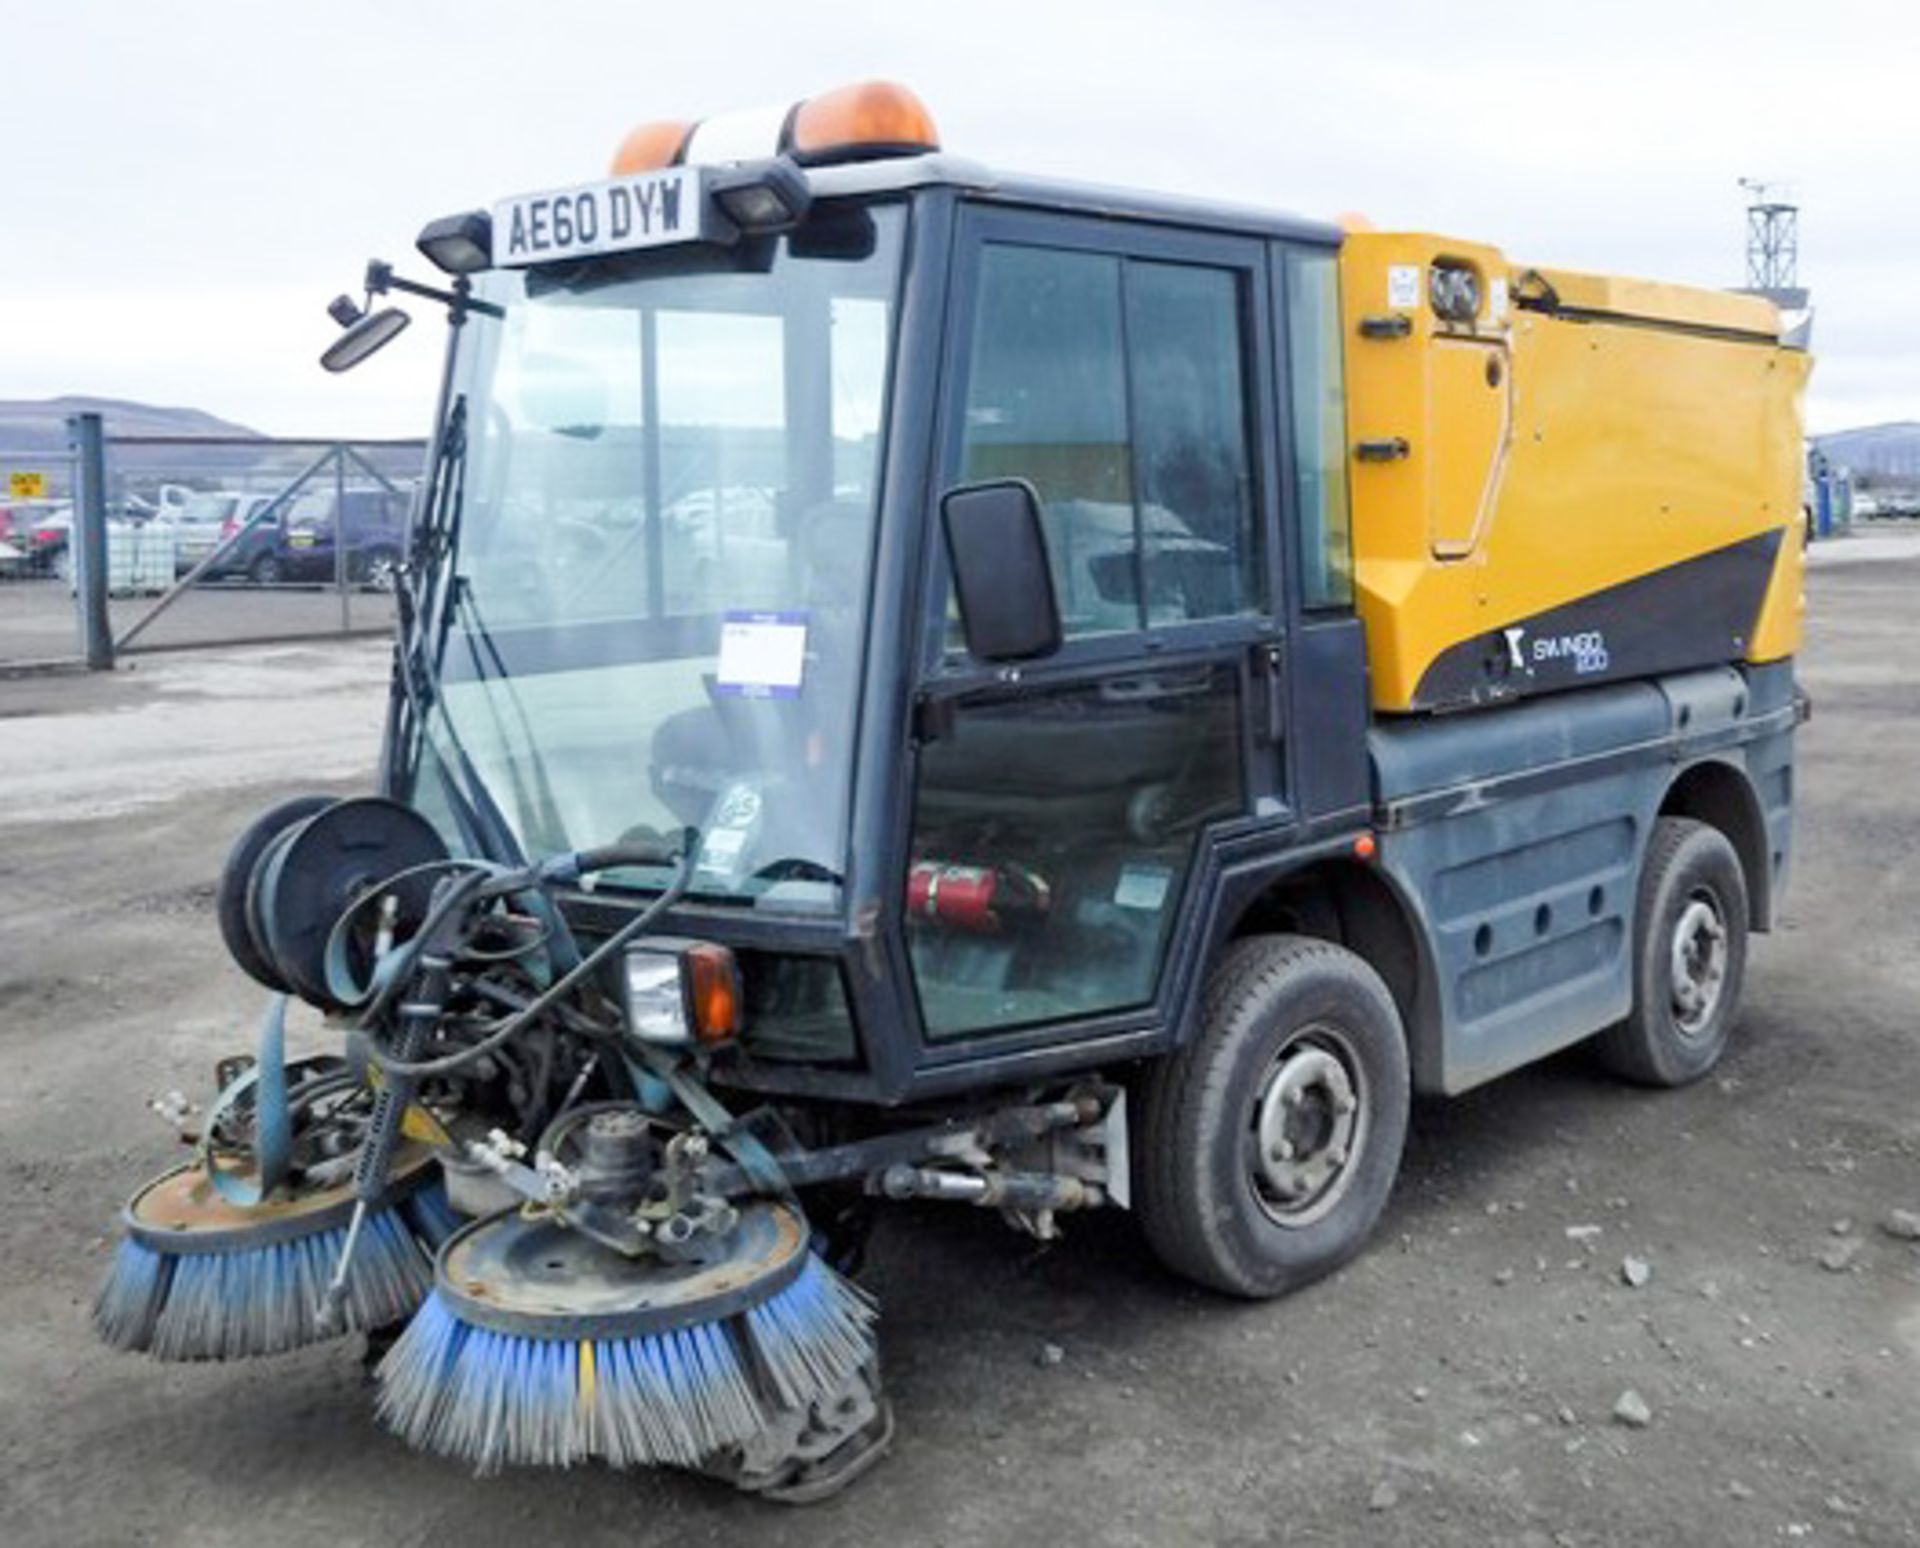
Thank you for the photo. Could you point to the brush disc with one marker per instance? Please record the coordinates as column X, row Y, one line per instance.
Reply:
column 198, row 1278
column 538, row 1279
column 540, row 1346
column 180, row 1213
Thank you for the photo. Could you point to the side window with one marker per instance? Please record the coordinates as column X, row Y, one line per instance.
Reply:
column 1117, row 388
column 1047, row 402
column 1318, row 401
column 1190, row 442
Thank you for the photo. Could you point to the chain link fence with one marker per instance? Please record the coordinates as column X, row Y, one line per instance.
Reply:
column 203, row 541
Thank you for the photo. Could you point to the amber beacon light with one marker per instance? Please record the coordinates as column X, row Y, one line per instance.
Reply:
column 876, row 118
column 851, row 123
column 651, row 147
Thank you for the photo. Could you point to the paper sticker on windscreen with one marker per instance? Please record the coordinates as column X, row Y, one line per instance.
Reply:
column 762, row 655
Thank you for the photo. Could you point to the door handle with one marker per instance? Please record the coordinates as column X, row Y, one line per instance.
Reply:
column 1269, row 667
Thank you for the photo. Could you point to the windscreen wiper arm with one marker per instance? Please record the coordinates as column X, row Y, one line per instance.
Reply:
column 421, row 647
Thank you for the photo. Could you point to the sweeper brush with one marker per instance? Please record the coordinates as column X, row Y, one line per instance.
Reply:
column 198, row 1278
column 540, row 1345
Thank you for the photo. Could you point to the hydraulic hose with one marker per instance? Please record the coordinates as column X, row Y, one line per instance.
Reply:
column 397, row 1066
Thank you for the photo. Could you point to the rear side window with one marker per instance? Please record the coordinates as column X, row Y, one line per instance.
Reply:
column 1318, row 403
column 1116, row 386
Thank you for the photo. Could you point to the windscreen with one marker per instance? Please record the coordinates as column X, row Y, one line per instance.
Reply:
column 660, row 527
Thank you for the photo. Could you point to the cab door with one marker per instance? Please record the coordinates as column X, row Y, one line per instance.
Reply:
column 1062, row 810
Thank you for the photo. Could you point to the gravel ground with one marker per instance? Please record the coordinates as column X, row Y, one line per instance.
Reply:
column 1457, row 1385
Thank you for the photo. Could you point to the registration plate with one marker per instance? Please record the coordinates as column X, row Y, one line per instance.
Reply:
column 624, row 214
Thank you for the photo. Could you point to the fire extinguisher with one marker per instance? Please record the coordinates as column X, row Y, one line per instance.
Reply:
column 976, row 899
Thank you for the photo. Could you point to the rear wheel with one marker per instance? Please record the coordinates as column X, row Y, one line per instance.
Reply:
column 1689, row 957
column 266, row 571
column 1270, row 1143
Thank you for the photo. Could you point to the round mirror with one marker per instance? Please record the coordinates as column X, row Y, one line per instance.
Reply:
column 372, row 332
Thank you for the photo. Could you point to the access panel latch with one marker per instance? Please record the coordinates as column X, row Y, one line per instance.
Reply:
column 1392, row 449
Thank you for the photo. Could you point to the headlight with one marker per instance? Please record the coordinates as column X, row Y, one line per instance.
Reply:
column 681, row 992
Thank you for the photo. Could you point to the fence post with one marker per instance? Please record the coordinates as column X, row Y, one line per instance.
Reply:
column 88, row 537
column 340, row 557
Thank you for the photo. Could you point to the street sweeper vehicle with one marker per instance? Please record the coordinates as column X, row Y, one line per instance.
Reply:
column 921, row 684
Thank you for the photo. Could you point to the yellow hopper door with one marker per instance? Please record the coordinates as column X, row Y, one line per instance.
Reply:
column 1469, row 420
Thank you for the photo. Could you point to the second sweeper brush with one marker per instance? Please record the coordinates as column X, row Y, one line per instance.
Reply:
column 541, row 1346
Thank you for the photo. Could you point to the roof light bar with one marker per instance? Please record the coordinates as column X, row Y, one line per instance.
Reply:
column 862, row 122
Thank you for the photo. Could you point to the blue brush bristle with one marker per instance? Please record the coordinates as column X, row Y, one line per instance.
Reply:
column 431, row 1215
column 673, row 1398
column 131, row 1298
column 258, row 1301
column 813, row 1335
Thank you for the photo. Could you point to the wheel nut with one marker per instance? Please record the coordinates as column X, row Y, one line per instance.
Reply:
column 1336, row 1155
column 1281, row 1150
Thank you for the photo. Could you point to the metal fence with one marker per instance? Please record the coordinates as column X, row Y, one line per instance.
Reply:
column 118, row 545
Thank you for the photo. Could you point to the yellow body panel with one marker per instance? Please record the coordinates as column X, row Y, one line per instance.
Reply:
column 1552, row 454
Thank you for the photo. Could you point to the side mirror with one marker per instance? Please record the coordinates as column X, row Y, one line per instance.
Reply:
column 1001, row 581
column 364, row 334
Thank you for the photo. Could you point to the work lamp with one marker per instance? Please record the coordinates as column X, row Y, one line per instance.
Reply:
column 458, row 244
column 762, row 197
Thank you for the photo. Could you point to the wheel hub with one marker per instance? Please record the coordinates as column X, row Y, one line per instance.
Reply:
column 1698, row 963
column 1308, row 1130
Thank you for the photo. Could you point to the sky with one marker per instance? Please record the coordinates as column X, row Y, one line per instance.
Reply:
column 185, row 183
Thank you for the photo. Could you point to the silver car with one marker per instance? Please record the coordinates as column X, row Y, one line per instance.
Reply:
column 206, row 520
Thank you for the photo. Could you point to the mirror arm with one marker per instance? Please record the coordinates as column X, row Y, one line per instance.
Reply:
column 458, row 300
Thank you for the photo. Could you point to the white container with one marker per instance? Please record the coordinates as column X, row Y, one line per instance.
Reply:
column 140, row 557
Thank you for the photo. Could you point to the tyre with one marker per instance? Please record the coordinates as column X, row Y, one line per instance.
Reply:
column 266, row 571
column 1269, row 1143
column 1689, row 957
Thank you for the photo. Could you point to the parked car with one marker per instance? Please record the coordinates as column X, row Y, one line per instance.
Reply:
column 300, row 544
column 36, row 532
column 206, row 519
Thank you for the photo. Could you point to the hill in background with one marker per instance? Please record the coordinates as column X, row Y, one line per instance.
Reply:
column 235, row 457
column 41, row 424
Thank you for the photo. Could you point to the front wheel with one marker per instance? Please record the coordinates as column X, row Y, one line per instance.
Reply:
column 1689, row 957
column 1269, row 1144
